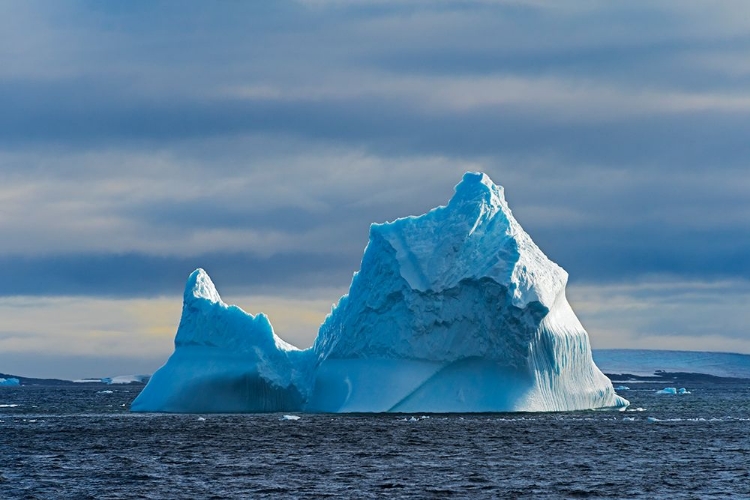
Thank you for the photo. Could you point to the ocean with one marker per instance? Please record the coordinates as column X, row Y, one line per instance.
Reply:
column 80, row 441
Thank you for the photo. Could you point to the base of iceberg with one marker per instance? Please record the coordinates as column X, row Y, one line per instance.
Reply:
column 456, row 310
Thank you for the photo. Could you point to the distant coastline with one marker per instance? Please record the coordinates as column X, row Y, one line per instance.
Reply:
column 654, row 364
column 31, row 381
column 616, row 364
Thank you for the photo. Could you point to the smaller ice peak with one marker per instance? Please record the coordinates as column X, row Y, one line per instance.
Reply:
column 207, row 320
column 200, row 286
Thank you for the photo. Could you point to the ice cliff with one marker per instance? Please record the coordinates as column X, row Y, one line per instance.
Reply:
column 224, row 360
column 456, row 310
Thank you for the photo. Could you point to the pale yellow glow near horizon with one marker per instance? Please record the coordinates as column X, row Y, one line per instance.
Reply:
column 134, row 327
column 616, row 316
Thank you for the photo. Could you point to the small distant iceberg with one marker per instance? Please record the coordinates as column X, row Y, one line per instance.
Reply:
column 622, row 388
column 120, row 379
column 673, row 391
column 9, row 382
column 126, row 379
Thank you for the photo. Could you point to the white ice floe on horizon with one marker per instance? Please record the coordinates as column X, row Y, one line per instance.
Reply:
column 456, row 310
column 118, row 380
column 126, row 379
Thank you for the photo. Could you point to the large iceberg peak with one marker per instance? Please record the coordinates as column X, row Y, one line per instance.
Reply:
column 200, row 286
column 474, row 237
column 477, row 188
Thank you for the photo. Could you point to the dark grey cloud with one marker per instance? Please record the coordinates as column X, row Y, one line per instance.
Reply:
column 685, row 140
column 633, row 120
column 258, row 140
column 138, row 275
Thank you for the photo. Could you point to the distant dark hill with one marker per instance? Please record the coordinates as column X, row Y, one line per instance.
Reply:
column 649, row 364
column 27, row 381
column 37, row 381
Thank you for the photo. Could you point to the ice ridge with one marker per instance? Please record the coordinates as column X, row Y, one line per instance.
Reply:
column 456, row 310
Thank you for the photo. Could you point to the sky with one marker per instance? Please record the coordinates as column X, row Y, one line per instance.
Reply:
column 259, row 140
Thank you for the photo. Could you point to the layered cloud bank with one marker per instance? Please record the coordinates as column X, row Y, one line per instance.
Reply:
column 456, row 310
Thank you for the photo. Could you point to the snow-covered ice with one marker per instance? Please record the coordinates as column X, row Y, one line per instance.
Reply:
column 456, row 310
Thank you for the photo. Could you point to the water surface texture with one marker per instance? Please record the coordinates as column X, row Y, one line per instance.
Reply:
column 80, row 442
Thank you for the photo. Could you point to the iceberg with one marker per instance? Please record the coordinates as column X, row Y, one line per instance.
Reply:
column 456, row 310
column 225, row 361
column 667, row 390
column 673, row 391
column 10, row 382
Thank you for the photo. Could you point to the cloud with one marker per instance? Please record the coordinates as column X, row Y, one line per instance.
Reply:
column 264, row 143
column 96, row 337
column 665, row 314
column 90, row 222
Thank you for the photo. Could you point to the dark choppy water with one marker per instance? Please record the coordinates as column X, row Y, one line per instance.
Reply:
column 73, row 442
